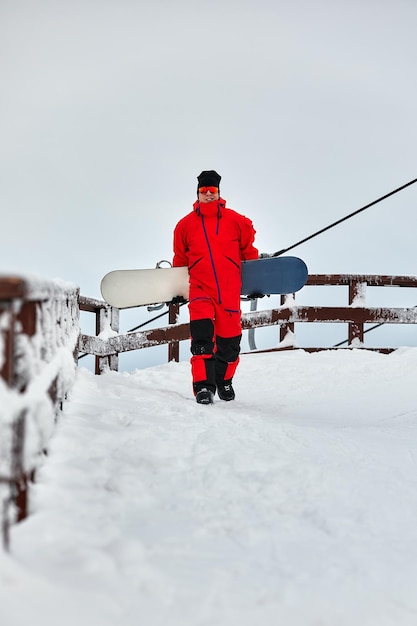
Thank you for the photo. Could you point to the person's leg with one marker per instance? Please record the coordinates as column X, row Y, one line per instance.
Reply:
column 228, row 337
column 202, row 344
column 227, row 360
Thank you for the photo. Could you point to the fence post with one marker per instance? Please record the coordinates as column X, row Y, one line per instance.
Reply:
column 357, row 289
column 107, row 317
column 20, row 479
column 174, row 347
column 6, row 372
column 287, row 326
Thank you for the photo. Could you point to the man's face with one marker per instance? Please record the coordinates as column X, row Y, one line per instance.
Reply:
column 208, row 194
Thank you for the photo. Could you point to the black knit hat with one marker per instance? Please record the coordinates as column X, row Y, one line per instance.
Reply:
column 208, row 178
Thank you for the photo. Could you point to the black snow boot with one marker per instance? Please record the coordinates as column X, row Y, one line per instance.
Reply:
column 225, row 390
column 204, row 396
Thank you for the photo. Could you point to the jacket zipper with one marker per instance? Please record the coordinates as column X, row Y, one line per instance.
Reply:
column 212, row 260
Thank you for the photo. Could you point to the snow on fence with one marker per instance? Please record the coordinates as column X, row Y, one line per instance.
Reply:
column 39, row 330
column 108, row 344
column 107, row 325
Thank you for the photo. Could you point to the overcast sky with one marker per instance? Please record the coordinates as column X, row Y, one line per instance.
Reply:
column 110, row 109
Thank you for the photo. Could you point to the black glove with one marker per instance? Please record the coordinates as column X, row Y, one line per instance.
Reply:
column 178, row 300
column 255, row 296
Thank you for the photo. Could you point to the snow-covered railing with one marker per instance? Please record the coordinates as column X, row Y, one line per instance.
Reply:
column 39, row 330
column 356, row 314
column 107, row 325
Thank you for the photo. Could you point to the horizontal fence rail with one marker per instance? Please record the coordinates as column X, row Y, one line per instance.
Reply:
column 371, row 280
column 355, row 314
column 39, row 331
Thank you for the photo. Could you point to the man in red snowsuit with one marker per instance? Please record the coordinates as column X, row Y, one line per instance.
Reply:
column 212, row 241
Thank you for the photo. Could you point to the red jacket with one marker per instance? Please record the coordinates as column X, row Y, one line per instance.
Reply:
column 212, row 241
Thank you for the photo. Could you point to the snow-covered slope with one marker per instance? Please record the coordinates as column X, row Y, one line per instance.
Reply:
column 296, row 504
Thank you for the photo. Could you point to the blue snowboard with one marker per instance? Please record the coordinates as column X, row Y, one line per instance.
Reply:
column 273, row 275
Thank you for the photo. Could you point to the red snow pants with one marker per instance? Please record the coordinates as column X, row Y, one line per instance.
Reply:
column 215, row 342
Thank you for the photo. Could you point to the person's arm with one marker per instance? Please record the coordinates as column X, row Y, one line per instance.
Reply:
column 247, row 249
column 180, row 255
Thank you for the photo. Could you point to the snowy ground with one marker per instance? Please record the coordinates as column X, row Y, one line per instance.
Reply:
column 296, row 504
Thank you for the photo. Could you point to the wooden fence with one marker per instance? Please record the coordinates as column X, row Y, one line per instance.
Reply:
column 355, row 315
column 39, row 331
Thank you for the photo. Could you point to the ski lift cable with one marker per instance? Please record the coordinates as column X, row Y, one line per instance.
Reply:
column 323, row 230
column 343, row 219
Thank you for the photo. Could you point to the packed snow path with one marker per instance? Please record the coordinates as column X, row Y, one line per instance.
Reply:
column 296, row 504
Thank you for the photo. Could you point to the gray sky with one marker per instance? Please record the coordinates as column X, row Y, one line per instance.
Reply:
column 110, row 109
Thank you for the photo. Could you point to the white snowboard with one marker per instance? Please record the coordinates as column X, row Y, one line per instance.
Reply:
column 129, row 288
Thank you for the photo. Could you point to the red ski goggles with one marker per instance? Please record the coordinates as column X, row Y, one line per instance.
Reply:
column 208, row 189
